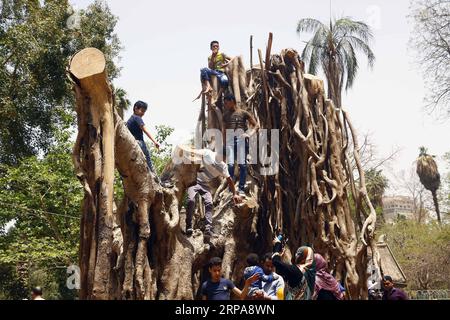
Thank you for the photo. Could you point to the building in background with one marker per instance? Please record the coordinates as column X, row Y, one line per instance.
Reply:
column 397, row 208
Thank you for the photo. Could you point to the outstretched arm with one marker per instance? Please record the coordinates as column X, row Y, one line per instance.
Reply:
column 243, row 294
column 150, row 136
column 287, row 271
column 236, row 197
column 231, row 185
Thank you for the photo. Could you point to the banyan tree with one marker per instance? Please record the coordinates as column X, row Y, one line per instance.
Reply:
column 136, row 247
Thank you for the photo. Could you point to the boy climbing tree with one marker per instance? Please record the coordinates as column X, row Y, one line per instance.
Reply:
column 235, row 132
column 212, row 166
column 137, row 128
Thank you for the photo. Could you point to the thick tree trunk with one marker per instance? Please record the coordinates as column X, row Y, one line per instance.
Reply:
column 310, row 197
column 97, row 172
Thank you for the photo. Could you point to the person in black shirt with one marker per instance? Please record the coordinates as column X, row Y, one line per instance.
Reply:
column 137, row 128
column 300, row 276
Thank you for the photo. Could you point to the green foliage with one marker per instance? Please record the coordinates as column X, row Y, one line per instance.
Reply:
column 121, row 101
column 423, row 252
column 43, row 199
column 376, row 184
column 11, row 285
column 162, row 157
column 40, row 197
column 36, row 43
column 334, row 48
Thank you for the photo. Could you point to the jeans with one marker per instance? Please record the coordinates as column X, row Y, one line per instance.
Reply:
column 147, row 155
column 206, row 73
column 237, row 149
column 207, row 198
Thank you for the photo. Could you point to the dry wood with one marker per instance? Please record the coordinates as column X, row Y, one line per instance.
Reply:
column 309, row 198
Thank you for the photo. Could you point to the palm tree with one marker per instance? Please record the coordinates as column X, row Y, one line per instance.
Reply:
column 429, row 176
column 376, row 184
column 334, row 48
column 121, row 101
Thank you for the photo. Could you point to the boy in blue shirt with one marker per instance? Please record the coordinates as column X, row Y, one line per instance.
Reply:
column 218, row 288
column 137, row 128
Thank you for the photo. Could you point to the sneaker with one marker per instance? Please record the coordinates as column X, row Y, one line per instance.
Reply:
column 189, row 232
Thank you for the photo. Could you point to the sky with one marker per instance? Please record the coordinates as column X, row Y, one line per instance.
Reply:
column 167, row 42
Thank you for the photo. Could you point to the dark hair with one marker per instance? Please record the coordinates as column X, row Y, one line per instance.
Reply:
column 216, row 261
column 37, row 291
column 267, row 256
column 140, row 105
column 213, row 42
column 230, row 97
column 252, row 259
column 388, row 278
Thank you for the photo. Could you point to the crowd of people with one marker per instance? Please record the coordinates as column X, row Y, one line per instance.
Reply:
column 271, row 278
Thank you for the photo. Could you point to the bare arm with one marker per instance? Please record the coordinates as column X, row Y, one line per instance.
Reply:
column 231, row 185
column 150, row 136
column 236, row 198
column 253, row 123
column 253, row 126
column 243, row 294
column 238, row 293
column 204, row 298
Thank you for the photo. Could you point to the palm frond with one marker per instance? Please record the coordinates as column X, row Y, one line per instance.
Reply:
column 313, row 49
column 335, row 47
column 347, row 26
column 423, row 151
column 307, row 51
column 359, row 44
column 309, row 25
column 314, row 61
column 324, row 59
column 350, row 62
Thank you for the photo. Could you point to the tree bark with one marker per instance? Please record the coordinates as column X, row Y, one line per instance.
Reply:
column 436, row 206
column 140, row 250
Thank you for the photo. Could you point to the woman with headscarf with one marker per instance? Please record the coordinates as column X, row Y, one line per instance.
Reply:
column 300, row 276
column 326, row 287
